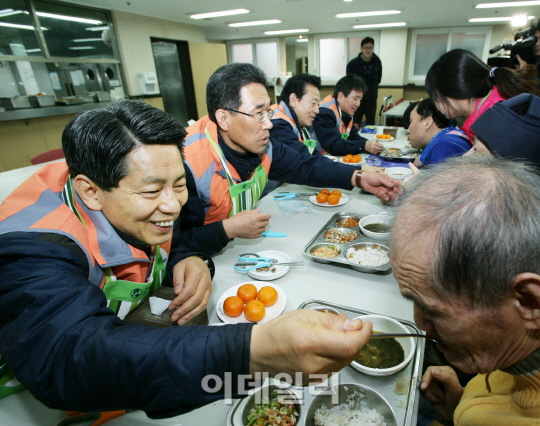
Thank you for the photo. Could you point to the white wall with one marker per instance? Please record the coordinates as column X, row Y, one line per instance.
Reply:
column 133, row 34
column 392, row 53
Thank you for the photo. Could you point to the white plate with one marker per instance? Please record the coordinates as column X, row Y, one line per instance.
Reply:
column 344, row 198
column 384, row 140
column 352, row 164
column 331, row 157
column 271, row 311
column 280, row 270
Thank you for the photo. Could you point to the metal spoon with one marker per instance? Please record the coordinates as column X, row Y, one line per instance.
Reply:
column 277, row 262
column 388, row 335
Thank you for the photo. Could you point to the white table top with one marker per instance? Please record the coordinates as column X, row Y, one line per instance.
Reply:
column 397, row 110
column 333, row 283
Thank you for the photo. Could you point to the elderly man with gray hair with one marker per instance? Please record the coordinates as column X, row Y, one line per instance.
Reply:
column 465, row 249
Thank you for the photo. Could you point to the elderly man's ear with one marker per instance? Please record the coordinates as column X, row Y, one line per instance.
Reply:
column 527, row 299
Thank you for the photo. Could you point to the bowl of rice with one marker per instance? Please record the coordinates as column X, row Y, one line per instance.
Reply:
column 376, row 226
column 356, row 405
column 384, row 324
column 368, row 257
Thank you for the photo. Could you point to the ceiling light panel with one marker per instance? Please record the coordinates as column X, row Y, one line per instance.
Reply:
column 253, row 23
column 286, row 32
column 390, row 24
column 374, row 13
column 508, row 4
column 218, row 14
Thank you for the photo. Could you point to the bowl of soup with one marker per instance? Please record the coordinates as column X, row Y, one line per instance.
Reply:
column 385, row 356
column 398, row 173
column 375, row 226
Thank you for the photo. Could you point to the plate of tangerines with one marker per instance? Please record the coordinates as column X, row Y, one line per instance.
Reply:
column 327, row 198
column 251, row 302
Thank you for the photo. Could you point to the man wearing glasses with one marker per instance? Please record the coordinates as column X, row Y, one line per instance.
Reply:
column 368, row 66
column 229, row 158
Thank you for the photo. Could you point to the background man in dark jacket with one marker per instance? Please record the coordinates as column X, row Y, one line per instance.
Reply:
column 368, row 66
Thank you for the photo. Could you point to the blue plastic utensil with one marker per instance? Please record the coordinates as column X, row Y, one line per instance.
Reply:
column 273, row 234
column 253, row 257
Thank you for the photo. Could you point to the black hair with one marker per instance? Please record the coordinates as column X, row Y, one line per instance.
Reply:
column 349, row 83
column 367, row 40
column 407, row 115
column 426, row 108
column 97, row 142
column 535, row 27
column 297, row 85
column 223, row 88
column 459, row 74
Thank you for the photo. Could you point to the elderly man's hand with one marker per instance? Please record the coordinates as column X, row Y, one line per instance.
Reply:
column 246, row 224
column 374, row 147
column 192, row 284
column 441, row 387
column 307, row 341
column 384, row 187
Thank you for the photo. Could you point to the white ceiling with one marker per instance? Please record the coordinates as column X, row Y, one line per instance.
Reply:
column 316, row 15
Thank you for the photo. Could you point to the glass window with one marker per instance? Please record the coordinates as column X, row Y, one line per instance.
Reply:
column 267, row 58
column 430, row 45
column 242, row 53
column 429, row 48
column 332, row 57
column 470, row 41
column 75, row 31
column 17, row 33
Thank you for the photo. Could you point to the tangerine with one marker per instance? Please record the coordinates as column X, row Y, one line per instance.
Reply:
column 336, row 192
column 324, row 191
column 333, row 199
column 267, row 295
column 322, row 198
column 254, row 311
column 247, row 292
column 233, row 306
column 346, row 159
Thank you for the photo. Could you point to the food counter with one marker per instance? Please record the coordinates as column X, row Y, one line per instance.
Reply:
column 338, row 284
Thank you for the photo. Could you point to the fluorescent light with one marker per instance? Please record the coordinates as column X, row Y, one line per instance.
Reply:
column 519, row 20
column 391, row 24
column 357, row 14
column 102, row 28
column 508, row 4
column 305, row 40
column 9, row 12
column 32, row 50
column 347, row 0
column 217, row 14
column 22, row 27
column 286, row 32
column 82, row 40
column 252, row 23
column 81, row 48
column 68, row 18
column 497, row 19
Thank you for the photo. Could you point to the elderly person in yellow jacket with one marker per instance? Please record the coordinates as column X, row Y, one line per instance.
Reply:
column 465, row 249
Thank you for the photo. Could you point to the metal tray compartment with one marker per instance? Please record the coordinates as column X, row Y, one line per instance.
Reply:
column 42, row 101
column 16, row 102
column 336, row 221
column 394, row 397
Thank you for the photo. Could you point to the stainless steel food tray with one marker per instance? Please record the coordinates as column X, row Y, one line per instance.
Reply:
column 399, row 391
column 341, row 259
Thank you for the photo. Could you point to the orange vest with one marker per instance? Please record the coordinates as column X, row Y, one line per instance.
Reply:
column 330, row 103
column 282, row 114
column 38, row 206
column 208, row 172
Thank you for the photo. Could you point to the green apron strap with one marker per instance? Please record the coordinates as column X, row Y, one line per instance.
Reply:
column 124, row 296
column 244, row 195
column 8, row 383
column 343, row 135
column 481, row 102
column 308, row 142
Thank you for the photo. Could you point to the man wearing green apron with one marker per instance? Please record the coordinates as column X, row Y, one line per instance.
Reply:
column 83, row 241
column 230, row 151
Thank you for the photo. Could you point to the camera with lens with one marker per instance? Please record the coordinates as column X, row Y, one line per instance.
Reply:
column 523, row 45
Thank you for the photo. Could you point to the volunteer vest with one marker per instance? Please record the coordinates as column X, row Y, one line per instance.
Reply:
column 210, row 177
column 38, row 205
column 330, row 103
column 283, row 113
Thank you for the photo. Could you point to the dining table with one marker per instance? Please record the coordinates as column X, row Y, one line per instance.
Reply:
column 300, row 220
